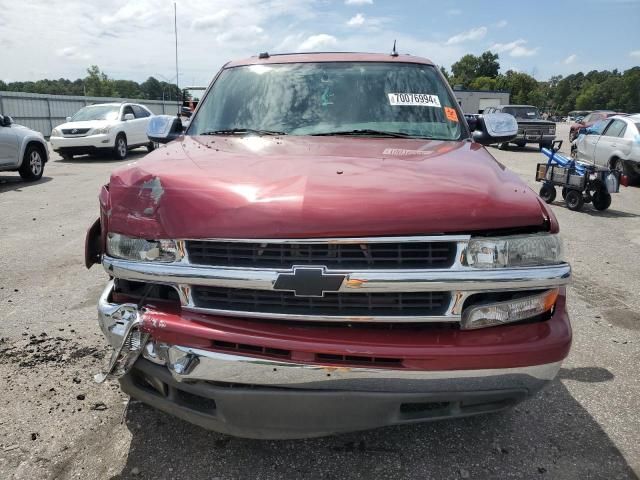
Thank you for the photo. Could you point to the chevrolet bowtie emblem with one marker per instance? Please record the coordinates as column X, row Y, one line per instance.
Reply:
column 309, row 281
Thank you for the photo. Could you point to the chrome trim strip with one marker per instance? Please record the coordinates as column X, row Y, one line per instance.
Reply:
column 457, row 279
column 335, row 240
column 324, row 318
column 193, row 364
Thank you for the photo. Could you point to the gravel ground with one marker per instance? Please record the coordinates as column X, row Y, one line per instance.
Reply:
column 56, row 423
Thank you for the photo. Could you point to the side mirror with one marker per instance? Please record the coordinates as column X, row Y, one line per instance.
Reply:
column 128, row 116
column 6, row 121
column 68, row 119
column 495, row 128
column 164, row 128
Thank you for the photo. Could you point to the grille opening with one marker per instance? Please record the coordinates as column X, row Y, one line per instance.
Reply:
column 332, row 304
column 244, row 348
column 195, row 402
column 393, row 255
column 149, row 384
column 136, row 290
column 357, row 359
column 424, row 409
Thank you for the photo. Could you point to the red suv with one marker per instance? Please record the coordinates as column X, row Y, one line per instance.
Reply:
column 328, row 247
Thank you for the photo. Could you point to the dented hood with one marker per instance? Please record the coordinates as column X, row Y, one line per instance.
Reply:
column 297, row 187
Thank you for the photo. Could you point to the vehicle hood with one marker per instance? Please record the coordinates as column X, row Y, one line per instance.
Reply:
column 87, row 124
column 537, row 121
column 301, row 187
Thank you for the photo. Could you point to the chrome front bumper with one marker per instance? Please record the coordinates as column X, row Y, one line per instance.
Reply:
column 189, row 365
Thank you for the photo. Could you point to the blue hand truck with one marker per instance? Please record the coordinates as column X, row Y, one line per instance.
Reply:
column 580, row 182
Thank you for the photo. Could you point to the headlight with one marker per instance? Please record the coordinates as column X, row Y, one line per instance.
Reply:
column 514, row 251
column 552, row 129
column 499, row 313
column 55, row 132
column 130, row 248
column 103, row 130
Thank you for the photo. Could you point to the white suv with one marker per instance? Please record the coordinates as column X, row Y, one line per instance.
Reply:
column 106, row 127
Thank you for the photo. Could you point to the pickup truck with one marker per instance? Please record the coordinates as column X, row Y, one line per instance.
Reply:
column 327, row 248
column 531, row 127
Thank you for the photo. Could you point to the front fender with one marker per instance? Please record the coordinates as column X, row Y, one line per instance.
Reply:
column 32, row 138
column 93, row 244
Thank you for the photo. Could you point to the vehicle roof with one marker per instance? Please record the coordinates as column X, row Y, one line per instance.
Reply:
column 114, row 104
column 514, row 105
column 328, row 57
column 110, row 104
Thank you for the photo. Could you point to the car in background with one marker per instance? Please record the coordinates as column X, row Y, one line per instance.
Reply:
column 613, row 143
column 531, row 127
column 190, row 98
column 588, row 121
column 22, row 150
column 103, row 128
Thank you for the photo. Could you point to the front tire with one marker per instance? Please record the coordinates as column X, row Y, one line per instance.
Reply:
column 548, row 193
column 521, row 144
column 120, row 149
column 574, row 200
column 601, row 200
column 32, row 166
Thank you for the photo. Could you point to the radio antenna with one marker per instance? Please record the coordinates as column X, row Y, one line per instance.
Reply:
column 175, row 31
column 394, row 53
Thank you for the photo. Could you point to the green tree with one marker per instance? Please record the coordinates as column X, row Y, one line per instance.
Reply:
column 483, row 83
column 97, row 83
column 488, row 65
column 126, row 89
column 470, row 67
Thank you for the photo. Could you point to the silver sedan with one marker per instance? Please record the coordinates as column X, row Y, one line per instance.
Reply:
column 613, row 143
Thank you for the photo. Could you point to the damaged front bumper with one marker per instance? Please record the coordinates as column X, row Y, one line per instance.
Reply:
column 258, row 397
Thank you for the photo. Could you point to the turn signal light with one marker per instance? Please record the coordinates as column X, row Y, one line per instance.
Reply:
column 500, row 313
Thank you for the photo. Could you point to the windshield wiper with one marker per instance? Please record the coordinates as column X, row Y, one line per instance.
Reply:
column 242, row 131
column 366, row 131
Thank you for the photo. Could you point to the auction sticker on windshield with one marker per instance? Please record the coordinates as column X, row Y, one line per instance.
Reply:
column 414, row 99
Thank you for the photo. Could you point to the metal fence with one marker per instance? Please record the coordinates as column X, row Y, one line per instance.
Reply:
column 43, row 112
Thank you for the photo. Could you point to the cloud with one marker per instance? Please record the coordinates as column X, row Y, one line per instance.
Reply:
column 517, row 48
column 315, row 42
column 358, row 2
column 356, row 21
column 570, row 59
column 473, row 34
column 634, row 54
column 502, row 24
column 211, row 21
column 72, row 53
column 454, row 11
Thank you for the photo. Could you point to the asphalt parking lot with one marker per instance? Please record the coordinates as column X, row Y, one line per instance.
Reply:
column 56, row 423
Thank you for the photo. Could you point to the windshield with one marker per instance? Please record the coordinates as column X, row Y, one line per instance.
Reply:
column 525, row 113
column 329, row 98
column 97, row 112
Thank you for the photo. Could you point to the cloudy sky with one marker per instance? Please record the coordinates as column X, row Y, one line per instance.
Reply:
column 133, row 39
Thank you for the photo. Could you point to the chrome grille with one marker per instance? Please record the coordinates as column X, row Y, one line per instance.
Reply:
column 357, row 256
column 379, row 304
column 75, row 131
